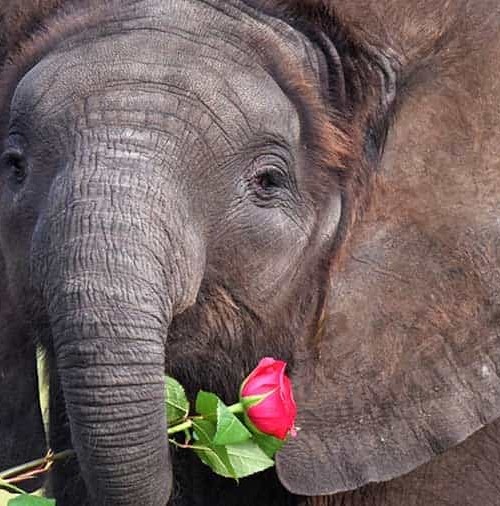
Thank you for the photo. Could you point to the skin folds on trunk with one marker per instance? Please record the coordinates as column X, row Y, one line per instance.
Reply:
column 109, row 307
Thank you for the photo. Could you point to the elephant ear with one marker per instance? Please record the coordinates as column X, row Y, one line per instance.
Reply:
column 408, row 364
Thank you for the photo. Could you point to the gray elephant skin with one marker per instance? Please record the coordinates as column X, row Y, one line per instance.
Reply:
column 187, row 186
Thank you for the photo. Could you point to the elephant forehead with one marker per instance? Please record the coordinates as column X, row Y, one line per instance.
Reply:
column 222, row 58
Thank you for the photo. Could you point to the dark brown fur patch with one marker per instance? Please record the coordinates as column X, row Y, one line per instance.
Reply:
column 20, row 19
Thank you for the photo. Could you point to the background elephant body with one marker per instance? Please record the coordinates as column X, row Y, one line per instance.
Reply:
column 187, row 186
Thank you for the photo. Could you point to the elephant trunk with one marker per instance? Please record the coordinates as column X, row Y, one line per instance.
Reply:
column 113, row 388
column 103, row 268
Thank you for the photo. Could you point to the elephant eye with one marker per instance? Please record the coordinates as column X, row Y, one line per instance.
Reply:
column 269, row 178
column 14, row 165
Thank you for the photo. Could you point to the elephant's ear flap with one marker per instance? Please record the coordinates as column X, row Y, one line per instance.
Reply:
column 408, row 364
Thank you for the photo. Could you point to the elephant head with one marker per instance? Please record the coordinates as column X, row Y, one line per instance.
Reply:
column 187, row 186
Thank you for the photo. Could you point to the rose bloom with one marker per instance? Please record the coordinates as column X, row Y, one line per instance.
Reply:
column 275, row 414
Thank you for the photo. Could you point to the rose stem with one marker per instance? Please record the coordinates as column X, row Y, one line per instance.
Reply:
column 9, row 473
column 181, row 427
column 236, row 408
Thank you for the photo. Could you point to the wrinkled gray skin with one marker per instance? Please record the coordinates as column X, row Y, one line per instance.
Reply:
column 144, row 144
column 170, row 219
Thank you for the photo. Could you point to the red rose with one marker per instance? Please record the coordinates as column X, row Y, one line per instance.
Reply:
column 275, row 413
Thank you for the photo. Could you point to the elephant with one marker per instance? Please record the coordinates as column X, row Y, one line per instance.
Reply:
column 187, row 186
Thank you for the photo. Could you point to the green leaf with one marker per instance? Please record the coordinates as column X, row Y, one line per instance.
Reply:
column 269, row 444
column 204, row 431
column 213, row 456
column 206, row 404
column 229, row 429
column 30, row 500
column 176, row 401
column 247, row 458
